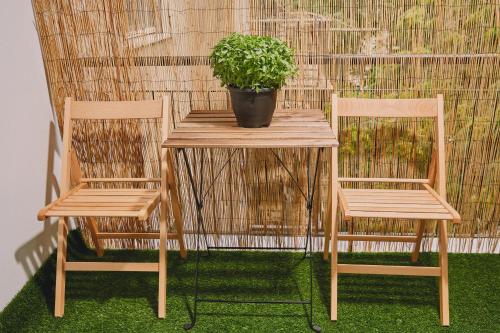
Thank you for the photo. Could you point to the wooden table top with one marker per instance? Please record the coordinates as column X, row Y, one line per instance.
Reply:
column 218, row 129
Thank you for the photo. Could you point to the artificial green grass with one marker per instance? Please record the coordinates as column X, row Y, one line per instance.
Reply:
column 126, row 302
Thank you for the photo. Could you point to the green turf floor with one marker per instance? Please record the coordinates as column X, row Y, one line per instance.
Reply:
column 126, row 302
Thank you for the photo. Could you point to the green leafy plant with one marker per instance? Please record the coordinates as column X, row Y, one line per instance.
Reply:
column 254, row 62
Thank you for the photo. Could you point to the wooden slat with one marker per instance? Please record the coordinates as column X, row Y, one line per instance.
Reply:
column 385, row 180
column 375, row 208
column 402, row 215
column 115, row 192
column 93, row 213
column 245, row 143
column 383, row 191
column 116, row 110
column 367, row 107
column 415, row 200
column 312, row 125
column 356, row 205
column 377, row 238
column 234, row 129
column 391, row 198
column 134, row 235
column 67, row 203
column 276, row 120
column 110, row 198
column 389, row 195
column 120, row 180
column 111, row 266
column 357, row 196
column 277, row 112
column 130, row 208
column 217, row 116
column 389, row 270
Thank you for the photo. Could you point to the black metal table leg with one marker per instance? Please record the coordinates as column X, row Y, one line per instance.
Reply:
column 199, row 225
column 190, row 325
column 199, row 197
column 311, row 186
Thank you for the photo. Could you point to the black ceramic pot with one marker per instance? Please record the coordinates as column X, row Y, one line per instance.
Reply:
column 253, row 109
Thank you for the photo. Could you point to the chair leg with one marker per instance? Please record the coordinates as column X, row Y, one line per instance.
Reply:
column 327, row 224
column 418, row 241
column 334, row 236
column 178, row 223
column 176, row 206
column 443, row 279
column 162, row 269
column 350, row 230
column 334, row 271
column 94, row 233
column 62, row 235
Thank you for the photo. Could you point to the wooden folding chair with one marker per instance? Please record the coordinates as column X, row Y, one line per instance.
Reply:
column 89, row 203
column 423, row 205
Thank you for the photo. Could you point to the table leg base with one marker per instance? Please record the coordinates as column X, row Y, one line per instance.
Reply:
column 188, row 326
column 316, row 328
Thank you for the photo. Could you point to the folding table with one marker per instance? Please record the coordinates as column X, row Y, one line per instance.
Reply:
column 290, row 128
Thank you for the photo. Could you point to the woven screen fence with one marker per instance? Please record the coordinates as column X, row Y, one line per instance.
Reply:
column 143, row 49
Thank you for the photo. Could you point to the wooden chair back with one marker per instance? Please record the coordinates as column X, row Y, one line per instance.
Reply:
column 399, row 108
column 74, row 110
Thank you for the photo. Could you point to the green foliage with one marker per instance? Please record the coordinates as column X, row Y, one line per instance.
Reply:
column 254, row 62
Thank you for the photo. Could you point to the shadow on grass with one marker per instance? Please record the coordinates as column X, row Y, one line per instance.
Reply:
column 241, row 276
column 99, row 286
column 383, row 289
column 224, row 274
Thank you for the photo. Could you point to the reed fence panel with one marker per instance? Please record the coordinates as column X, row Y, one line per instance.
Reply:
column 143, row 49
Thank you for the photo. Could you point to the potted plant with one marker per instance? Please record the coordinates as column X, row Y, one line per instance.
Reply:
column 253, row 68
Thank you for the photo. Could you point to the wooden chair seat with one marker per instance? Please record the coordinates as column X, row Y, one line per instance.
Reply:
column 407, row 204
column 86, row 202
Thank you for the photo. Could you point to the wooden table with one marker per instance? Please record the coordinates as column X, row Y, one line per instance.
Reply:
column 290, row 128
column 218, row 129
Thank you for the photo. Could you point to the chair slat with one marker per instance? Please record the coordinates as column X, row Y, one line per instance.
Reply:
column 393, row 108
column 116, row 110
column 112, row 266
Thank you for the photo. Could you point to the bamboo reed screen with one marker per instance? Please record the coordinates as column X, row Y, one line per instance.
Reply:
column 143, row 49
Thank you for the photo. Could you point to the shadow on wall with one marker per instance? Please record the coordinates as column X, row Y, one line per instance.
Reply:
column 32, row 254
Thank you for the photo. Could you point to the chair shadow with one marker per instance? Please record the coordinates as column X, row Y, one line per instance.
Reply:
column 32, row 254
column 99, row 286
column 373, row 289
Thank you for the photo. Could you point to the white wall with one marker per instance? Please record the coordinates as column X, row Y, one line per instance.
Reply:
column 29, row 144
